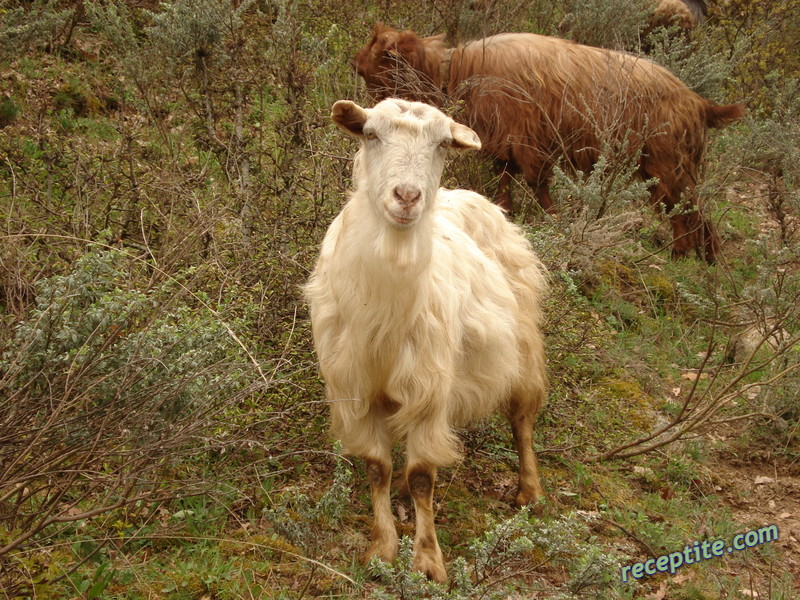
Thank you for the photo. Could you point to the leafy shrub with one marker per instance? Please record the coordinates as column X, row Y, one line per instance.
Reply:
column 599, row 211
column 38, row 24
column 295, row 517
column 523, row 542
column 695, row 61
column 109, row 347
column 110, row 392
column 615, row 24
column 768, row 146
column 763, row 36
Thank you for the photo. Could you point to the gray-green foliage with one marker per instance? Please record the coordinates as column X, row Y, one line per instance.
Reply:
column 110, row 391
column 108, row 343
column 567, row 540
column 774, row 291
column 771, row 305
column 695, row 61
column 500, row 545
column 769, row 147
column 35, row 24
column 114, row 21
column 296, row 517
column 615, row 24
column 601, row 208
column 195, row 30
column 523, row 542
column 611, row 186
column 401, row 582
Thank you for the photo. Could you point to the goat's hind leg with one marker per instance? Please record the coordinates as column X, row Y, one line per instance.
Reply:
column 522, row 412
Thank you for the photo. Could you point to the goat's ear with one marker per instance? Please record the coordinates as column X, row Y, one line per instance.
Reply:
column 464, row 138
column 349, row 116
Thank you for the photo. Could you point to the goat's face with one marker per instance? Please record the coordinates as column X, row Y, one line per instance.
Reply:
column 392, row 64
column 375, row 61
column 403, row 149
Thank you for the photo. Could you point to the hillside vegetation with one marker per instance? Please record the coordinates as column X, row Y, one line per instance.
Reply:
column 167, row 172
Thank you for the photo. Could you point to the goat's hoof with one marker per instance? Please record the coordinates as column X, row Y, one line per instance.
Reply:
column 386, row 550
column 432, row 565
column 530, row 497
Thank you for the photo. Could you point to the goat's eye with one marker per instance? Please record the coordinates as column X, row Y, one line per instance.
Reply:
column 370, row 135
column 445, row 143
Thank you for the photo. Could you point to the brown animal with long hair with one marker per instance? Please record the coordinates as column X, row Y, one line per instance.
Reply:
column 533, row 99
column 686, row 14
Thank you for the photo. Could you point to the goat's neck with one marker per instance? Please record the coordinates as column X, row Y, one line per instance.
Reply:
column 406, row 252
column 444, row 69
column 396, row 253
column 436, row 62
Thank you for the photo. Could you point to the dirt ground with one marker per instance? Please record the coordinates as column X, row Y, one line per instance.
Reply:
column 765, row 494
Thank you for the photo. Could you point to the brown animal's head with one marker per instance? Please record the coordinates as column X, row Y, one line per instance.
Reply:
column 401, row 64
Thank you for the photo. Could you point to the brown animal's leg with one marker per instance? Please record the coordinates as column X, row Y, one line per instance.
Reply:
column 690, row 230
column 522, row 412
column 701, row 235
column 536, row 170
column 684, row 238
column 683, row 235
column 384, row 535
column 428, row 557
column 542, row 190
column 503, row 195
column 710, row 239
column 705, row 236
column 663, row 201
column 538, row 177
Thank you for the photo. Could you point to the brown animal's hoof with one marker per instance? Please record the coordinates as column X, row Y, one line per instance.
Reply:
column 530, row 498
column 431, row 564
column 385, row 549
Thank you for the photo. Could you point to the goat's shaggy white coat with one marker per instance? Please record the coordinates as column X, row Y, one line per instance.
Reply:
column 425, row 312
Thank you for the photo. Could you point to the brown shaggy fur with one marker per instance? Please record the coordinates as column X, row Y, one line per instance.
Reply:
column 667, row 13
column 533, row 99
column 680, row 17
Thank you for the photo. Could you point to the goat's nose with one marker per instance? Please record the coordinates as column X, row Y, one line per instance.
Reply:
column 407, row 194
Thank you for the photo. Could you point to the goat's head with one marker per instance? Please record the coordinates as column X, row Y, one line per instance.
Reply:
column 402, row 154
column 394, row 63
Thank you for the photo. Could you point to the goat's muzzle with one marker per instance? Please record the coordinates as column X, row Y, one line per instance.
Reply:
column 405, row 205
column 407, row 195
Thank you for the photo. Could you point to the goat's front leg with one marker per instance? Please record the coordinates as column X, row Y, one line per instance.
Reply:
column 384, row 534
column 428, row 557
column 542, row 191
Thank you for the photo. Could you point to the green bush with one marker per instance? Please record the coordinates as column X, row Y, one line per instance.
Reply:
column 8, row 112
column 616, row 24
column 111, row 393
column 521, row 542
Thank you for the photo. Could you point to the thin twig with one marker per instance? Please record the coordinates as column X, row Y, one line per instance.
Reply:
column 635, row 538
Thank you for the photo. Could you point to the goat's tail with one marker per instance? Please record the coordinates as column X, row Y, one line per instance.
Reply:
column 721, row 115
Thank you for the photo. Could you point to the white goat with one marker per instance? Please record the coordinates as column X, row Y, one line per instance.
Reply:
column 425, row 312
